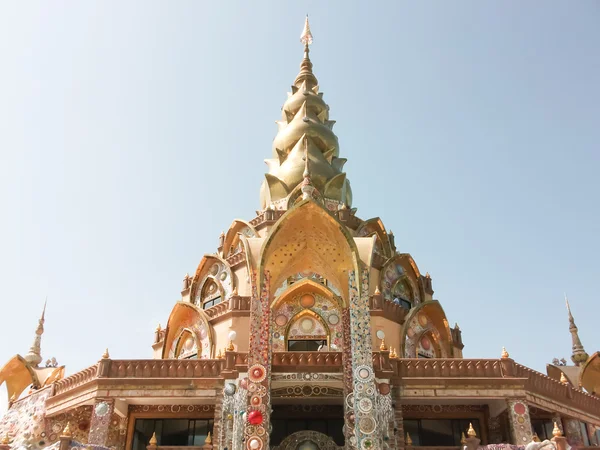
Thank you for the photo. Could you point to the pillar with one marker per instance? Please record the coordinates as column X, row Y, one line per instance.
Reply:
column 519, row 422
column 399, row 435
column 572, row 431
column 259, row 366
column 101, row 415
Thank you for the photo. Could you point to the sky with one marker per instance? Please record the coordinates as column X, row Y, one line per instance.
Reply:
column 132, row 133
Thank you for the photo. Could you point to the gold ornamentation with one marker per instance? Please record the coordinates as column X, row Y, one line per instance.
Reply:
column 536, row 437
column 6, row 439
column 105, row 355
column 556, row 431
column 471, row 432
column 219, row 356
column 382, row 347
column 563, row 378
column 230, row 347
column 463, row 439
column 153, row 440
column 408, row 440
column 504, row 353
column 67, row 431
column 208, row 439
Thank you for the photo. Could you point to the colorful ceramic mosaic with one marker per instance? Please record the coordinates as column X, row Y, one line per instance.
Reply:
column 217, row 275
column 291, row 321
column 519, row 420
column 422, row 337
column 25, row 422
column 257, row 421
column 186, row 344
column 395, row 282
column 101, row 419
column 306, row 275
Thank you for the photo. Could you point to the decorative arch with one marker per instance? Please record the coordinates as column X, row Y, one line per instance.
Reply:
column 589, row 375
column 307, row 325
column 402, row 269
column 307, row 285
column 302, row 440
column 232, row 238
column 216, row 268
column 308, row 238
column 375, row 227
column 210, row 293
column 427, row 320
column 188, row 318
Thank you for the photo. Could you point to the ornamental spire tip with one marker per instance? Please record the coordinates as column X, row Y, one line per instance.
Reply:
column 306, row 37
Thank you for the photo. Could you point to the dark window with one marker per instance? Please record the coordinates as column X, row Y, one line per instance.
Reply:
column 404, row 303
column 423, row 355
column 584, row 434
column 304, row 346
column 177, row 432
column 543, row 428
column 438, row 432
column 282, row 428
column 213, row 302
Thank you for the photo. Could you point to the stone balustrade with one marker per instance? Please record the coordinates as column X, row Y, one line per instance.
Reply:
column 235, row 305
column 164, row 368
column 449, row 368
column 236, row 258
column 75, row 380
column 307, row 361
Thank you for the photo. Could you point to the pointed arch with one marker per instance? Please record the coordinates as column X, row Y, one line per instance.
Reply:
column 232, row 238
column 401, row 267
column 589, row 375
column 309, row 238
column 297, row 324
column 186, row 316
column 426, row 317
column 217, row 268
column 375, row 227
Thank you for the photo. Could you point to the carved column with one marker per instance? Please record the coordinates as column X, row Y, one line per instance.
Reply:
column 347, row 371
column 519, row 422
column 572, row 430
column 364, row 396
column 259, row 367
column 219, row 424
column 101, row 416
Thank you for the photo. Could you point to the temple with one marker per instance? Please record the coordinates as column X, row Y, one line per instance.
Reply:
column 307, row 328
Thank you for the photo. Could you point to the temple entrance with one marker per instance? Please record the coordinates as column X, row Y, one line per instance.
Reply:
column 317, row 424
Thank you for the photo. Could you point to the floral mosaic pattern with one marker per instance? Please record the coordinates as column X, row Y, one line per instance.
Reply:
column 288, row 316
column 422, row 337
column 520, row 423
column 391, row 277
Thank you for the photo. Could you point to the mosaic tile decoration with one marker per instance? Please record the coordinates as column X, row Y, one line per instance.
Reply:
column 258, row 411
column 520, row 423
column 101, row 419
column 419, row 327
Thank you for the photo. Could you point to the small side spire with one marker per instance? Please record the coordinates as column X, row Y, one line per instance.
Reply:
column 34, row 356
column 579, row 355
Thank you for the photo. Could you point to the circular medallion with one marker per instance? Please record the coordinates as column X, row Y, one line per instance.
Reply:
column 214, row 269
column 255, row 443
column 255, row 400
column 333, row 319
column 365, row 405
column 101, row 409
column 229, row 389
column 307, row 301
column 370, row 390
column 384, row 388
column 423, row 319
column 255, row 417
column 244, row 383
column 364, row 373
column 223, row 276
column 307, row 325
column 252, row 387
column 519, row 408
column 260, row 431
column 281, row 320
column 367, row 425
column 359, row 387
column 257, row 373
column 350, row 400
column 189, row 343
column 425, row 343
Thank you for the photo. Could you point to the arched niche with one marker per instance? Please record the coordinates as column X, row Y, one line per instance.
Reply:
column 186, row 345
column 306, row 327
column 188, row 318
column 216, row 269
column 401, row 269
column 308, row 238
column 209, row 293
column 232, row 243
column 427, row 320
column 375, row 227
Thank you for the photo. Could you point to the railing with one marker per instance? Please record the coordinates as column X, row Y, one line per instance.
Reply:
column 236, row 258
column 541, row 384
column 77, row 379
column 449, row 368
column 165, row 368
column 235, row 303
column 308, row 360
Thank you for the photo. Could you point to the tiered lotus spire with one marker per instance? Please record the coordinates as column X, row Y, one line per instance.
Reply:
column 305, row 142
column 579, row 355
column 34, row 356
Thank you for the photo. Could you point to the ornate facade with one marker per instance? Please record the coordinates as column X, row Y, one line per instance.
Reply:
column 306, row 329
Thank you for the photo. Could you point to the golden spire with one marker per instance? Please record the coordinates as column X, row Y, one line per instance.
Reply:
column 105, row 355
column 34, row 356
column 153, row 440
column 505, row 353
column 382, row 347
column 158, row 328
column 463, row 439
column 408, row 440
column 471, row 432
column 67, row 431
column 305, row 137
column 563, row 378
column 556, row 431
column 579, row 355
column 208, row 439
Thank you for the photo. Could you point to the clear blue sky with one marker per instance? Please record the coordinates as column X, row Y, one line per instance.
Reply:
column 132, row 133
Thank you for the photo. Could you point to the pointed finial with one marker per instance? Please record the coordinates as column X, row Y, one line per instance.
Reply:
column 306, row 37
column 105, row 355
column 579, row 355
column 563, row 378
column 34, row 356
column 208, row 439
column 67, row 431
column 153, row 440
column 6, row 439
column 463, row 439
column 427, row 275
column 377, row 291
column 382, row 347
column 536, row 438
column 219, row 356
column 408, row 440
column 158, row 328
column 556, row 430
column 230, row 347
column 505, row 353
column 471, row 431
